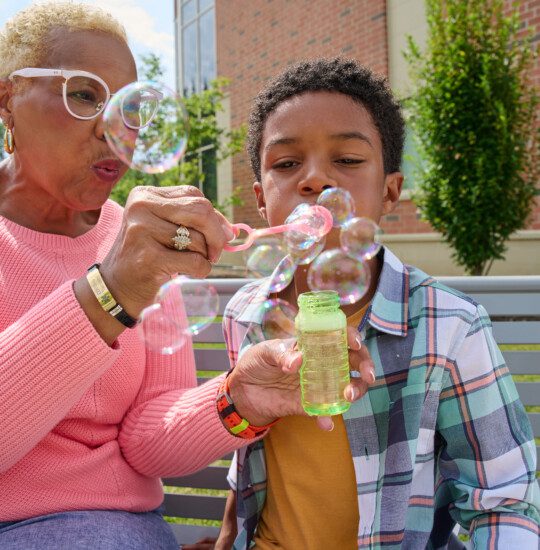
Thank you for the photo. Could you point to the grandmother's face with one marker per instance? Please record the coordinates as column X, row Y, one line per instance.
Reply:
column 62, row 155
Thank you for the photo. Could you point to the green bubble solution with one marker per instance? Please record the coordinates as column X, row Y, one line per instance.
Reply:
column 321, row 328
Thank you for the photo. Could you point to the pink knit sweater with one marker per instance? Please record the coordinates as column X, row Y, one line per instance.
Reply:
column 84, row 425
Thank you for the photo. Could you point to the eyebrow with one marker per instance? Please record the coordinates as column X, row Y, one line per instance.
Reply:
column 351, row 135
column 337, row 137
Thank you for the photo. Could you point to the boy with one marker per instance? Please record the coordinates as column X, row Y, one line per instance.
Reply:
column 441, row 436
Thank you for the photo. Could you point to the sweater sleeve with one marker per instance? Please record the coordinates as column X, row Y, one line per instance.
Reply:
column 48, row 358
column 173, row 427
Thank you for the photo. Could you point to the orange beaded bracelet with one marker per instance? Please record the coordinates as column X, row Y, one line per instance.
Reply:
column 237, row 425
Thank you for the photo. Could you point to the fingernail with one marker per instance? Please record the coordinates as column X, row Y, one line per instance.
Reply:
column 351, row 393
column 229, row 233
column 358, row 340
column 292, row 359
column 327, row 424
column 215, row 259
column 372, row 376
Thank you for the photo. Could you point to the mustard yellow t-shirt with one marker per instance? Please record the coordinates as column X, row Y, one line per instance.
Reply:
column 311, row 501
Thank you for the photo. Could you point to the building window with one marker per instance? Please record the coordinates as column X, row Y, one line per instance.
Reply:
column 196, row 39
column 198, row 44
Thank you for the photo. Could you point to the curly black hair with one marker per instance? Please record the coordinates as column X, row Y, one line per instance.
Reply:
column 337, row 74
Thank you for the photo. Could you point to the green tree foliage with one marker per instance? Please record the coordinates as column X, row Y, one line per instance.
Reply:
column 204, row 131
column 473, row 114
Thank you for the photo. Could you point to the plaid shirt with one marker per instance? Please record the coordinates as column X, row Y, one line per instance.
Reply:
column 441, row 437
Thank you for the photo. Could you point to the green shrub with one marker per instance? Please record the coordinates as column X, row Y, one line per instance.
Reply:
column 473, row 114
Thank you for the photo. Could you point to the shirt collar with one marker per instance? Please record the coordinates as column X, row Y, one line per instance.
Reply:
column 389, row 308
column 390, row 305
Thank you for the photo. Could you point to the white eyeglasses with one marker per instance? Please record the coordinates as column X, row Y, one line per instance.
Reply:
column 86, row 95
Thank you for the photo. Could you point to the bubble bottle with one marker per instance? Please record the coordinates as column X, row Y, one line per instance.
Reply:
column 321, row 329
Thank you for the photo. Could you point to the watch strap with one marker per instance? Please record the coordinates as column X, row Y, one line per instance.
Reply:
column 238, row 426
column 105, row 298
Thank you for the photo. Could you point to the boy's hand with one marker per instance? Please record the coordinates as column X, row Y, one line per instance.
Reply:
column 265, row 384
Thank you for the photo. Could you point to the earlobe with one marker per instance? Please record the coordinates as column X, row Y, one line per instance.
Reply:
column 261, row 202
column 393, row 184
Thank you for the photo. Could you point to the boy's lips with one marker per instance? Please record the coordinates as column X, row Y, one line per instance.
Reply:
column 107, row 170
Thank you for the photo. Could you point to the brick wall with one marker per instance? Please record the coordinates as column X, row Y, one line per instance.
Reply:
column 257, row 38
column 529, row 13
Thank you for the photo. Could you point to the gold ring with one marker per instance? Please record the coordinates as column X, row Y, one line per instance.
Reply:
column 182, row 238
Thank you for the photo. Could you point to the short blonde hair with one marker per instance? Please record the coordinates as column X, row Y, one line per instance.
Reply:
column 23, row 40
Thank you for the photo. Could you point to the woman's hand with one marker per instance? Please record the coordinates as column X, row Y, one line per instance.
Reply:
column 265, row 383
column 143, row 256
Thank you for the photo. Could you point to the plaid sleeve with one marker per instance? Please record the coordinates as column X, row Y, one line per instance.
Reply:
column 487, row 463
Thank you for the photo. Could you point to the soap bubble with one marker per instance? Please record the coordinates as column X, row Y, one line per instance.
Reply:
column 360, row 238
column 282, row 275
column 183, row 308
column 334, row 270
column 314, row 223
column 160, row 332
column 302, row 257
column 264, row 258
column 340, row 204
column 278, row 319
column 146, row 126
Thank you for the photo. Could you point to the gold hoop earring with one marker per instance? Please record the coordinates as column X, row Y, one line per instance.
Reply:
column 9, row 141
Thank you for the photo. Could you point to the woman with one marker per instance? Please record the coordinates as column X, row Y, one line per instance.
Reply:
column 89, row 419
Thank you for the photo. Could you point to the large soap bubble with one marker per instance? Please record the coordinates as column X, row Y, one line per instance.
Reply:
column 335, row 270
column 183, row 308
column 278, row 319
column 360, row 238
column 146, row 126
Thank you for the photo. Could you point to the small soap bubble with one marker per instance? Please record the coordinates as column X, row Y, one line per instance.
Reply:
column 183, row 307
column 302, row 257
column 160, row 332
column 278, row 319
column 283, row 274
column 146, row 126
column 340, row 204
column 360, row 238
column 334, row 270
column 264, row 258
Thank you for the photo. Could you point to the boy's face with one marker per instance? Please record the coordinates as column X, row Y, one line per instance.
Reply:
column 318, row 140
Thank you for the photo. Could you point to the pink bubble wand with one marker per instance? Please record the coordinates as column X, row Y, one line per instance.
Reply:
column 301, row 225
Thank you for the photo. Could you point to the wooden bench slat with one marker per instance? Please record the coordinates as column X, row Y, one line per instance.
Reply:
column 506, row 332
column 517, row 332
column 522, row 362
column 212, row 477
column 529, row 393
column 190, row 534
column 535, row 422
column 213, row 359
column 516, row 304
column 212, row 333
column 492, row 283
column 518, row 362
column 194, row 506
column 223, row 301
